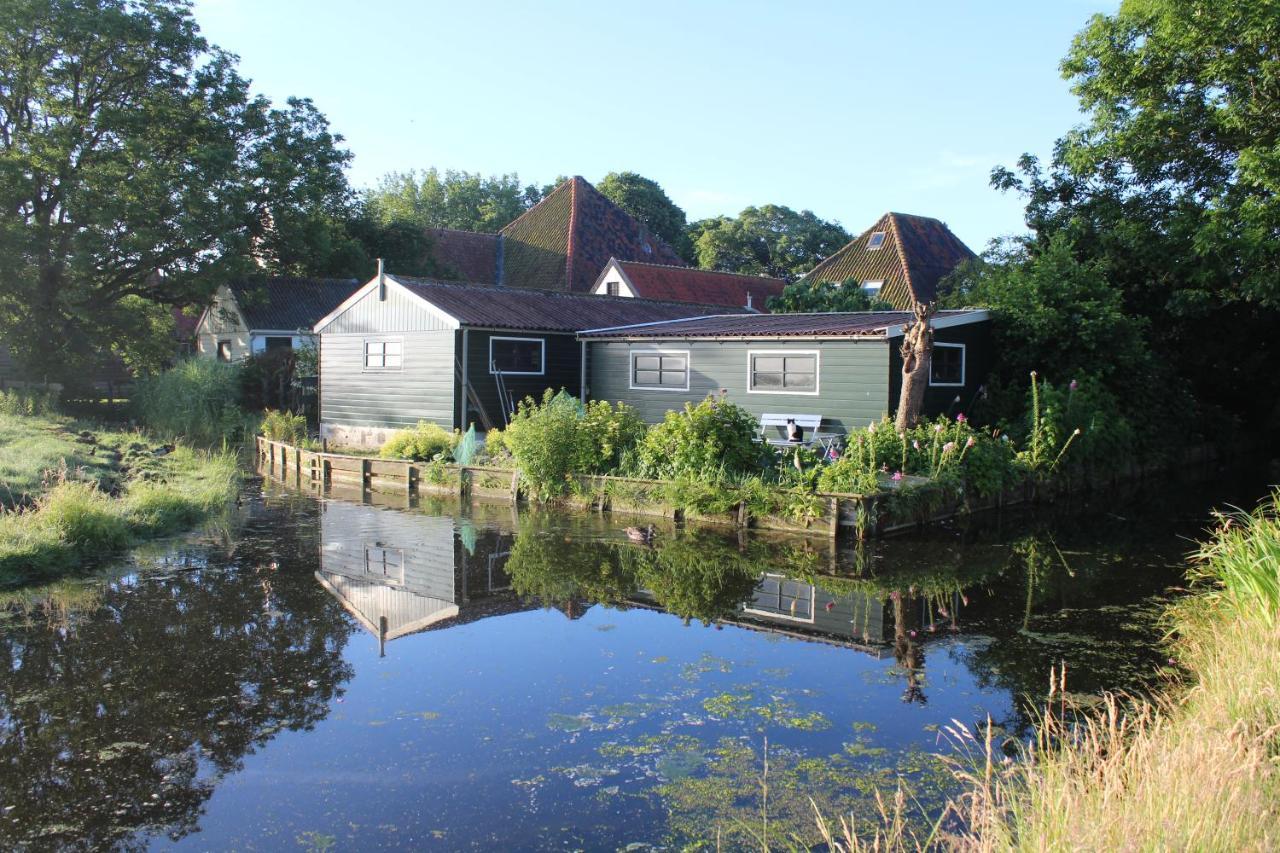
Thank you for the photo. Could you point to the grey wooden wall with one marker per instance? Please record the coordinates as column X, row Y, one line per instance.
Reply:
column 422, row 389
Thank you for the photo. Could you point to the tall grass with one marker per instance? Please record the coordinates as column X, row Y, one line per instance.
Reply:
column 1195, row 769
column 197, row 400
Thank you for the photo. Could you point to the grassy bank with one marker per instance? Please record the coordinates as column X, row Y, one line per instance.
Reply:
column 1196, row 769
column 77, row 494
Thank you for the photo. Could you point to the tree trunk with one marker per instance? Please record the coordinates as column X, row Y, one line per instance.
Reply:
column 917, row 350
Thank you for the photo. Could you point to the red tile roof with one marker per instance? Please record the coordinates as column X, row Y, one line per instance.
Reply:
column 708, row 287
column 917, row 252
column 833, row 324
column 526, row 308
column 465, row 255
column 564, row 241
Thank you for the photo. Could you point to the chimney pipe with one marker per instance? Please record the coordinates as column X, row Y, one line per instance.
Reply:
column 382, row 283
column 749, row 308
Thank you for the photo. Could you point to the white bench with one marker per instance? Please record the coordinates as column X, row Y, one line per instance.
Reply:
column 809, row 425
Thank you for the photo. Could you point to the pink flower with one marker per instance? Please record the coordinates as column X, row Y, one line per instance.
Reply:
column 1074, row 385
column 897, row 475
column 937, row 427
column 960, row 418
column 948, row 447
column 871, row 428
column 970, row 442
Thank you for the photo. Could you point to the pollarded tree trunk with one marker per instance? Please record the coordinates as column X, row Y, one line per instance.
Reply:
column 917, row 350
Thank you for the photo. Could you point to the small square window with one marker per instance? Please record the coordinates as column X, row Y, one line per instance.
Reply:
column 876, row 241
column 784, row 373
column 224, row 350
column 613, row 288
column 946, row 365
column 383, row 355
column 660, row 371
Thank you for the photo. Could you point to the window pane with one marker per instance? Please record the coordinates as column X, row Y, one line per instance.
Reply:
column 673, row 362
column 801, row 364
column 673, row 378
column 767, row 381
column 391, row 347
column 801, row 382
column 771, row 364
column 373, row 347
column 648, row 362
column 391, row 360
column 947, row 365
column 518, row 356
column 648, row 377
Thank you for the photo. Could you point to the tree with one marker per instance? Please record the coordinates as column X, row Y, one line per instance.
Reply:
column 647, row 202
column 917, row 350
column 128, row 146
column 770, row 240
column 452, row 199
column 813, row 296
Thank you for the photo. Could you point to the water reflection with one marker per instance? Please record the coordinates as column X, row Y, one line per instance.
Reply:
column 577, row 678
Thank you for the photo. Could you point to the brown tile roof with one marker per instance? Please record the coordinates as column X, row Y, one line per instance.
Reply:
column 857, row 324
column 524, row 308
column 465, row 255
column 917, row 252
column 564, row 241
column 284, row 303
column 686, row 284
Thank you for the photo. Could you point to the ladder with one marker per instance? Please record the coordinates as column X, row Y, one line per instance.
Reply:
column 473, row 399
column 507, row 405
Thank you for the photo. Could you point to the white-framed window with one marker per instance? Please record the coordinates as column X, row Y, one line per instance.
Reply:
column 782, row 597
column 224, row 350
column 660, row 370
column 518, row 356
column 613, row 288
column 782, row 371
column 875, row 241
column 872, row 288
column 946, row 365
column 383, row 354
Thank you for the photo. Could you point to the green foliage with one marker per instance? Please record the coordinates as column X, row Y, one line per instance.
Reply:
column 198, row 400
column 713, row 439
column 645, row 199
column 28, row 402
column 151, row 156
column 559, row 437
column 818, row 296
column 452, row 199
column 1242, row 559
column 771, row 240
column 284, row 426
column 424, row 442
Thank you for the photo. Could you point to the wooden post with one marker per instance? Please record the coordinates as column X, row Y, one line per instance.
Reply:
column 326, row 471
column 366, row 475
column 297, row 466
column 834, row 509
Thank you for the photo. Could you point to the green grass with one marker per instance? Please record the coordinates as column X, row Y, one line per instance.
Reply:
column 68, row 517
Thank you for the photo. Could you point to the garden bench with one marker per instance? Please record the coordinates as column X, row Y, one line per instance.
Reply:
column 809, row 424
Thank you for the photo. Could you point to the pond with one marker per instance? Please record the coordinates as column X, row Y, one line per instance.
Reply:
column 331, row 674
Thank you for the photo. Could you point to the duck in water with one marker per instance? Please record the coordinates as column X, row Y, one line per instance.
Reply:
column 641, row 534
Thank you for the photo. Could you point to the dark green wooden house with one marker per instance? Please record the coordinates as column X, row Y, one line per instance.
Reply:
column 844, row 367
column 401, row 350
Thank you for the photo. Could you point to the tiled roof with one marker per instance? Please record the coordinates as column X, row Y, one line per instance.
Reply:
column 564, row 241
column 917, row 252
column 465, row 255
column 863, row 323
column 284, row 304
column 686, row 284
column 523, row 308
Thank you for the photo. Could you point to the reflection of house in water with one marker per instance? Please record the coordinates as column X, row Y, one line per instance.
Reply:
column 401, row 572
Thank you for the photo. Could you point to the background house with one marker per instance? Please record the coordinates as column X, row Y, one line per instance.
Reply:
column 252, row 315
column 900, row 259
column 400, row 350
column 844, row 367
column 686, row 284
column 561, row 243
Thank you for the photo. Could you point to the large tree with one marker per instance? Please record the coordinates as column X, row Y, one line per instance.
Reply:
column 645, row 199
column 768, row 240
column 451, row 199
column 817, row 296
column 136, row 165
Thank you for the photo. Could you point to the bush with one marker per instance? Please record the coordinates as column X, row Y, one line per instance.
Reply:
column 284, row 426
column 424, row 442
column 198, row 399
column 711, row 440
column 28, row 402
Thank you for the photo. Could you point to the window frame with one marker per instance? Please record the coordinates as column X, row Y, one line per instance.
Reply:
column 542, row 356
column 383, row 368
column 878, row 246
column 613, row 288
column 631, row 370
column 868, row 288
column 964, row 358
column 811, row 619
column 817, row 370
column 217, row 350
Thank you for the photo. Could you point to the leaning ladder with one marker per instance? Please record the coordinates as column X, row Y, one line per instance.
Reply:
column 504, row 396
column 473, row 399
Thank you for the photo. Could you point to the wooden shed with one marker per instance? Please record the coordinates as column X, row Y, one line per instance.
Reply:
column 402, row 350
column 842, row 366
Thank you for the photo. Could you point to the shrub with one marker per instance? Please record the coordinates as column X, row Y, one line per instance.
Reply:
column 712, row 439
column 424, row 442
column 198, row 399
column 284, row 426
column 559, row 437
column 29, row 402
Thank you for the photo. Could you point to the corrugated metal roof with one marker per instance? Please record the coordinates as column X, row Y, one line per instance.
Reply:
column 283, row 303
column 521, row 308
column 858, row 324
column 917, row 252
column 707, row 287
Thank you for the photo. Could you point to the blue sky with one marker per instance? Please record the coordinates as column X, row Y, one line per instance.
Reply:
column 847, row 109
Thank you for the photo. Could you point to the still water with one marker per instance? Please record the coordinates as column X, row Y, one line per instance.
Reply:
column 330, row 674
